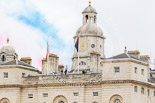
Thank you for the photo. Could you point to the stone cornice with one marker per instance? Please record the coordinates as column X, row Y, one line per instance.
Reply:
column 91, row 83
column 19, row 66
column 91, row 36
column 125, row 60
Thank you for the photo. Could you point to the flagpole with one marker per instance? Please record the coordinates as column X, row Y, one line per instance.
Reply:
column 78, row 53
column 47, row 55
column 78, row 62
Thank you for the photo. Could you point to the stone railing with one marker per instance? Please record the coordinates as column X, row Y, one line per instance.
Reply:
column 69, row 78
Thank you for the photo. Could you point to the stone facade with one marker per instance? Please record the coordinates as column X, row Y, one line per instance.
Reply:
column 124, row 78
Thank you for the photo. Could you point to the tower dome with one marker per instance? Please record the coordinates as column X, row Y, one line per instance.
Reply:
column 89, row 26
column 90, row 29
column 7, row 53
column 89, row 9
column 7, row 49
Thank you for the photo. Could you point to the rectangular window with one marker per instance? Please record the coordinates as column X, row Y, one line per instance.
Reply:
column 23, row 74
column 136, row 70
column 76, row 94
column 142, row 72
column 117, row 69
column 30, row 95
column 135, row 88
column 45, row 94
column 5, row 75
column 148, row 92
column 95, row 93
column 142, row 90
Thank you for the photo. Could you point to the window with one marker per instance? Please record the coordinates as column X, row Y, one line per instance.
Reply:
column 86, row 18
column 23, row 74
column 61, row 102
column 3, row 58
column 76, row 94
column 117, row 69
column 142, row 90
column 136, row 70
column 82, row 63
column 45, row 94
column 30, row 95
column 117, row 101
column 94, row 19
column 14, row 57
column 148, row 92
column 154, row 93
column 142, row 71
column 4, row 100
column 5, row 75
column 95, row 93
column 135, row 88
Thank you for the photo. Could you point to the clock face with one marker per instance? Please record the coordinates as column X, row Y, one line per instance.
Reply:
column 93, row 45
column 117, row 101
column 83, row 46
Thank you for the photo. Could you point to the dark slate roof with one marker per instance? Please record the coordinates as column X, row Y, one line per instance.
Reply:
column 14, row 62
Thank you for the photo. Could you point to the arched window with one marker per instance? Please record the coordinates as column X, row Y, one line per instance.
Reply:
column 94, row 19
column 14, row 57
column 82, row 63
column 86, row 18
column 60, row 99
column 4, row 100
column 3, row 58
column 61, row 102
column 116, row 99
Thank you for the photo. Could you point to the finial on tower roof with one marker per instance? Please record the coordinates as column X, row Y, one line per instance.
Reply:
column 125, row 51
column 47, row 52
column 89, row 2
column 7, row 39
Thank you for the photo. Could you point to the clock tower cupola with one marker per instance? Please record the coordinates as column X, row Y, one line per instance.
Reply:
column 91, row 43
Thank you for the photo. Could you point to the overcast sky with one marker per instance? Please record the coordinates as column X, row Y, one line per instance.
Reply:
column 29, row 23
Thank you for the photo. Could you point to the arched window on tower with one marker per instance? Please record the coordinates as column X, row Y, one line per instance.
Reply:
column 94, row 19
column 14, row 57
column 3, row 58
column 86, row 18
column 82, row 63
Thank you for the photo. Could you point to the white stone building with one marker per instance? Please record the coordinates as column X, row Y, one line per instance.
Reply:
column 124, row 78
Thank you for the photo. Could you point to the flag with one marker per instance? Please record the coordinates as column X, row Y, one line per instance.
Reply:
column 77, row 44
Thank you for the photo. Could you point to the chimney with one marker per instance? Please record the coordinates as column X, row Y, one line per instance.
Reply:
column 134, row 53
column 27, row 60
column 145, row 58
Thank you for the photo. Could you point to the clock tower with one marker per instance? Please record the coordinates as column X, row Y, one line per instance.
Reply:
column 91, row 43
